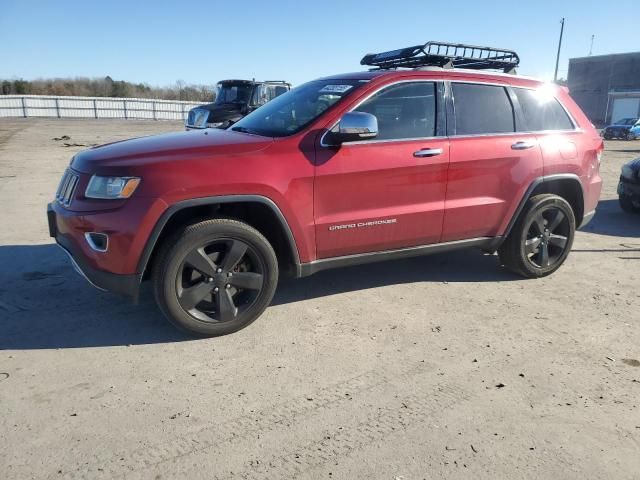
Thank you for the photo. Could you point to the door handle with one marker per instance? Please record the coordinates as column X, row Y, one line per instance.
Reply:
column 522, row 145
column 428, row 152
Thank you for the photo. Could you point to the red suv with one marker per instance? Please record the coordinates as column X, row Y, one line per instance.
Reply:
column 413, row 157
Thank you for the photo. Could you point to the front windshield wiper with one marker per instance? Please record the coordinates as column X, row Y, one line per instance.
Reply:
column 247, row 130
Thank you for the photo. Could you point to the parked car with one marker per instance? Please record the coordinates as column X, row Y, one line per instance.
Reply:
column 233, row 100
column 348, row 169
column 622, row 129
column 634, row 133
column 629, row 187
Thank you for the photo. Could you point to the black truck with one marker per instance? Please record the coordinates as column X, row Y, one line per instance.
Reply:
column 233, row 100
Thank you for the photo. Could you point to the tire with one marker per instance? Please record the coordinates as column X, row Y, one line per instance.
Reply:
column 547, row 224
column 627, row 204
column 216, row 277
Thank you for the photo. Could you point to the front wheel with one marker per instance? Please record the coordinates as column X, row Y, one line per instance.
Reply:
column 541, row 239
column 216, row 278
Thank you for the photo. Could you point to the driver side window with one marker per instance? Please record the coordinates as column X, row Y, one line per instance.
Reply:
column 404, row 110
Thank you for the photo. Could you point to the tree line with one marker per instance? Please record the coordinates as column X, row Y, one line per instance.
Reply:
column 106, row 87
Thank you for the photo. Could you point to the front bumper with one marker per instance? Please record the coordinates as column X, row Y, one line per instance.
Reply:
column 629, row 189
column 124, row 284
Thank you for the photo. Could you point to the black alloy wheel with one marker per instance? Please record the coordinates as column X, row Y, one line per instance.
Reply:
column 220, row 280
column 215, row 277
column 547, row 237
column 541, row 238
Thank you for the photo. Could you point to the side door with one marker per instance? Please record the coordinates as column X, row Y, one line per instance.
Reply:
column 388, row 192
column 491, row 163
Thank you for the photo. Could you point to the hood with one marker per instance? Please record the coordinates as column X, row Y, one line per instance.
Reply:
column 221, row 113
column 168, row 147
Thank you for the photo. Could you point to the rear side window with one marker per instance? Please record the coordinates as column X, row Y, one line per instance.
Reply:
column 403, row 110
column 542, row 111
column 482, row 109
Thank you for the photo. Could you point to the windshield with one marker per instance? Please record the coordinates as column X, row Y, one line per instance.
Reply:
column 627, row 121
column 291, row 112
column 233, row 93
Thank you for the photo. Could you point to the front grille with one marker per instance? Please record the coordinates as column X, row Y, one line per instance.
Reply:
column 67, row 188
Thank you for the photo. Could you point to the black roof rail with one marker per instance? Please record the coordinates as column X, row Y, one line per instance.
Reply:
column 442, row 54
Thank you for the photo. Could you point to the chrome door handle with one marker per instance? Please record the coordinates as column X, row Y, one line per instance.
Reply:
column 522, row 145
column 428, row 152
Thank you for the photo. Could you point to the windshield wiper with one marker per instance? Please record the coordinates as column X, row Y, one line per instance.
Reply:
column 247, row 130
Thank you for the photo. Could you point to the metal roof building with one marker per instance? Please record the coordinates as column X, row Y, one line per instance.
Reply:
column 607, row 87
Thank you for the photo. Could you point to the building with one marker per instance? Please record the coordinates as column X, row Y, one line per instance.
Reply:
column 607, row 87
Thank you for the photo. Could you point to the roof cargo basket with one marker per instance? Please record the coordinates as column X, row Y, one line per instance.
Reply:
column 442, row 54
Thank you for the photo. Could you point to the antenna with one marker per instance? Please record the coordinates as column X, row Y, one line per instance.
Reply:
column 591, row 48
column 555, row 75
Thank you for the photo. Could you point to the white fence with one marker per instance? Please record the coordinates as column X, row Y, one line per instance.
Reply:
column 93, row 107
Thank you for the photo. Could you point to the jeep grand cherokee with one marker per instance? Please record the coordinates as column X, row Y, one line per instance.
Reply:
column 426, row 153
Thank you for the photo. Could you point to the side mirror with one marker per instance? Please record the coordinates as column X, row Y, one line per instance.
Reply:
column 354, row 126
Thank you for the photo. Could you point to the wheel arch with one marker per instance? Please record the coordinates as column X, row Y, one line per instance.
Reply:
column 567, row 186
column 258, row 211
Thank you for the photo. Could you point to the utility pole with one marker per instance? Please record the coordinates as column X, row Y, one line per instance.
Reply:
column 591, row 48
column 555, row 75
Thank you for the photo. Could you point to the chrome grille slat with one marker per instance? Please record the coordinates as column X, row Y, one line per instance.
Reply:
column 67, row 188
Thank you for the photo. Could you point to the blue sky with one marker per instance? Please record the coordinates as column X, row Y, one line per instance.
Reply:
column 159, row 42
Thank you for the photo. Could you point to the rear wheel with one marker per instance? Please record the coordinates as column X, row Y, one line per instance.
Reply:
column 216, row 278
column 541, row 239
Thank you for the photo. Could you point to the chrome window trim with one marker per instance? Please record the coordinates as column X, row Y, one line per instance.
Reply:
column 418, row 80
column 515, row 134
column 391, row 140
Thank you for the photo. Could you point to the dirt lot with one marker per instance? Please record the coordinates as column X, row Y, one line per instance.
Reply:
column 441, row 367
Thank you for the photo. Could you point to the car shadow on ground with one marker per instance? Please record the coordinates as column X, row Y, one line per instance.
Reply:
column 611, row 220
column 44, row 304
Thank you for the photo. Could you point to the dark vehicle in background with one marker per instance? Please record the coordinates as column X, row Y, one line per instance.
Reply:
column 233, row 100
column 629, row 187
column 621, row 129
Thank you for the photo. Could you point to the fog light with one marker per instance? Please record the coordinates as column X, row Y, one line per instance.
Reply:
column 97, row 241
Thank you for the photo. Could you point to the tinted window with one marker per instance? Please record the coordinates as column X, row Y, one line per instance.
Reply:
column 404, row 110
column 542, row 111
column 482, row 109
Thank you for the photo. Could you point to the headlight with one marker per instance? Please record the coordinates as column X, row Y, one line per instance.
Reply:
column 627, row 172
column 198, row 118
column 111, row 187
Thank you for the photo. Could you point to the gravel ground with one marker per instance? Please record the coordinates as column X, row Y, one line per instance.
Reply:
column 438, row 367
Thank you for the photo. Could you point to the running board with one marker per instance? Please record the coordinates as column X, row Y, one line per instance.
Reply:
column 484, row 243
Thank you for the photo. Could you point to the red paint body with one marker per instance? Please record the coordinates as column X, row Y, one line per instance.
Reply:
column 471, row 190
